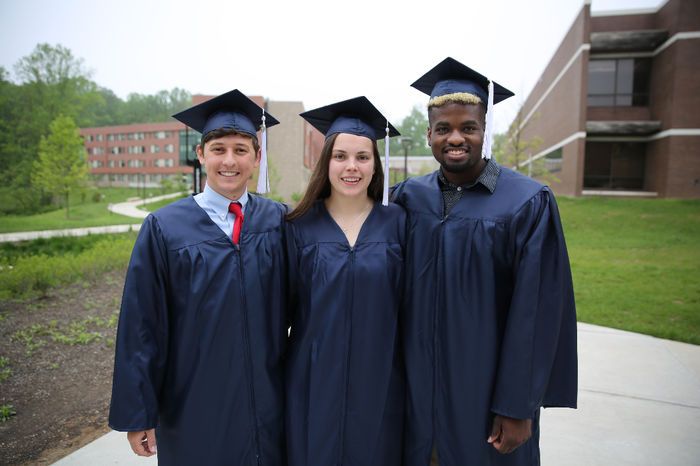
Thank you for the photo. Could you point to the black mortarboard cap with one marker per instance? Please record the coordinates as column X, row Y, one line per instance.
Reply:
column 232, row 110
column 354, row 116
column 450, row 76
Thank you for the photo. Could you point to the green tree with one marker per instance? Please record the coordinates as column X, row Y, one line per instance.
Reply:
column 52, row 82
column 55, row 83
column 415, row 126
column 61, row 167
column 143, row 108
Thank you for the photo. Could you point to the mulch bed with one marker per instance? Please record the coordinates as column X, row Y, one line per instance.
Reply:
column 60, row 392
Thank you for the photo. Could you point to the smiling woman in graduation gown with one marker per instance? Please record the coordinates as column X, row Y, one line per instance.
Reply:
column 345, row 376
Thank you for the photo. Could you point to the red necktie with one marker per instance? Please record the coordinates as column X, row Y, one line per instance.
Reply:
column 235, row 209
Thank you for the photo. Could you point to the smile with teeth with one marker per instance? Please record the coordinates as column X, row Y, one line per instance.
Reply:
column 351, row 179
column 456, row 151
column 228, row 173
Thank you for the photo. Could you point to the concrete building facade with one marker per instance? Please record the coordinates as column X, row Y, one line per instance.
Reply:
column 618, row 106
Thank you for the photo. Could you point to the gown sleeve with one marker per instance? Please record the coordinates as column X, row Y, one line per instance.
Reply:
column 538, row 362
column 142, row 336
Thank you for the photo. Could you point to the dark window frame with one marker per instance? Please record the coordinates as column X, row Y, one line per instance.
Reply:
column 641, row 76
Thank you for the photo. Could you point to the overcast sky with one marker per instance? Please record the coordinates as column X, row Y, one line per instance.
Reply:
column 317, row 52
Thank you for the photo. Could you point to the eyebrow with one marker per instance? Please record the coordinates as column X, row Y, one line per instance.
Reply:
column 345, row 152
column 468, row 122
column 235, row 144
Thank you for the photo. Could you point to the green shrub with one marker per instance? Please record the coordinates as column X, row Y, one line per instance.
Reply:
column 32, row 275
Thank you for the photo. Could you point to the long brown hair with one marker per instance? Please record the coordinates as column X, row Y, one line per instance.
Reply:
column 320, row 185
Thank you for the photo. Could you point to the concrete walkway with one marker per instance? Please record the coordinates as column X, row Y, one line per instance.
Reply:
column 130, row 209
column 639, row 404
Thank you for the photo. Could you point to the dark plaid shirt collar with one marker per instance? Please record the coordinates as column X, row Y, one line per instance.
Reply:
column 452, row 193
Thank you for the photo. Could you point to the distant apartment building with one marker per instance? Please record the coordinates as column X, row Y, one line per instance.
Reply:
column 618, row 106
column 145, row 154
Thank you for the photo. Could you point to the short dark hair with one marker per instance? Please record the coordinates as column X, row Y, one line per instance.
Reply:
column 221, row 132
column 320, row 185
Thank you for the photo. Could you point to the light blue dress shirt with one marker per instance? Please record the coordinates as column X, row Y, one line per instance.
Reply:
column 216, row 206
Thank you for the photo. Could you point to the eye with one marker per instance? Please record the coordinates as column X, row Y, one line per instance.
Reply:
column 364, row 158
column 338, row 156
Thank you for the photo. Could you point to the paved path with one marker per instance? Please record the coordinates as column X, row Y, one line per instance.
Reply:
column 130, row 209
column 639, row 404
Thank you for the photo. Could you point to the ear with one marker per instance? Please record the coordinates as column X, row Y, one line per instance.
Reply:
column 429, row 133
column 258, row 157
column 200, row 155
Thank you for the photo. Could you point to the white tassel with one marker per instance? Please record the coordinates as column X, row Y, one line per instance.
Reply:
column 385, row 197
column 488, row 136
column 263, row 180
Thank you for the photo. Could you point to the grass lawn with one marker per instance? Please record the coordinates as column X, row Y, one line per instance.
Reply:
column 636, row 264
column 87, row 214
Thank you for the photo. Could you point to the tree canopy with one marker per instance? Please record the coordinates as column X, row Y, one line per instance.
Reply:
column 52, row 82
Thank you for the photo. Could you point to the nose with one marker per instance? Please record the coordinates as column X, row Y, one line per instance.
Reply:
column 455, row 138
column 352, row 163
column 228, row 157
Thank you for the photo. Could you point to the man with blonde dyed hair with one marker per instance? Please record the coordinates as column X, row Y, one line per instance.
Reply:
column 490, row 328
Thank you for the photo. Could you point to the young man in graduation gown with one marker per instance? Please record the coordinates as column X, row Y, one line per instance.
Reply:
column 490, row 329
column 198, row 365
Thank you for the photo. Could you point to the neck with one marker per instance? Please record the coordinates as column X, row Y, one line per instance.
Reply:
column 347, row 205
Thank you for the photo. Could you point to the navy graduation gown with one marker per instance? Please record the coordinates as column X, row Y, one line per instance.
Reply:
column 345, row 376
column 201, row 335
column 491, row 325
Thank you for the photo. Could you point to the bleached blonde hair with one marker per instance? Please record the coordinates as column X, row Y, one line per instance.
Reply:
column 457, row 97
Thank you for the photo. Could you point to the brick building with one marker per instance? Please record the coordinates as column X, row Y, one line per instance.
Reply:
column 145, row 154
column 618, row 106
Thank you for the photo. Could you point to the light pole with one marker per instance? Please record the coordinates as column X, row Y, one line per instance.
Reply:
column 407, row 143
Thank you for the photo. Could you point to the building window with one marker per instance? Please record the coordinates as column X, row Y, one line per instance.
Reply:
column 161, row 134
column 110, row 137
column 111, row 163
column 553, row 161
column 99, row 137
column 137, row 149
column 622, row 82
column 98, row 150
column 188, row 142
column 90, row 138
column 169, row 148
column 154, row 149
column 614, row 165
